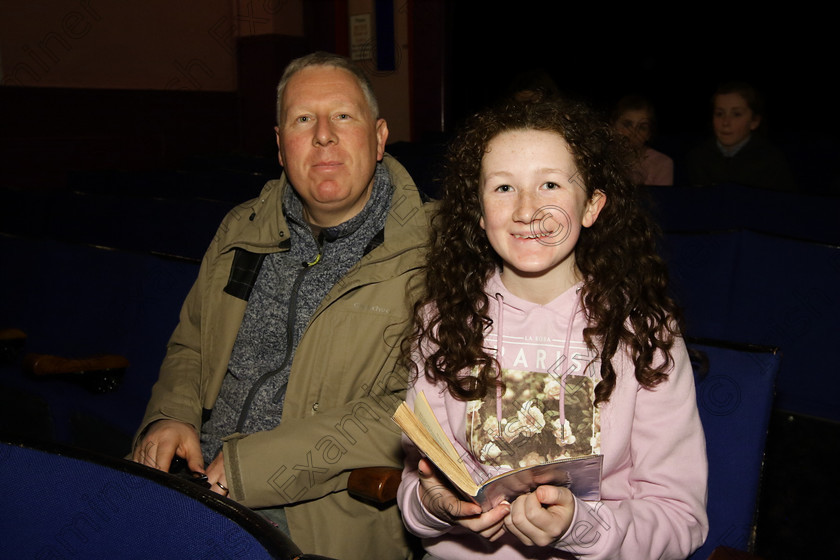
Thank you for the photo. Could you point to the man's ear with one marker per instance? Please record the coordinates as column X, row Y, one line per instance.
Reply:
column 381, row 138
column 279, row 151
column 593, row 208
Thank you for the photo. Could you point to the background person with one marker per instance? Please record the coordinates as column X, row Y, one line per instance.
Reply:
column 738, row 152
column 634, row 117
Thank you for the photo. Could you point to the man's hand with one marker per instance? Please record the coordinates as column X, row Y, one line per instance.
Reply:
column 442, row 502
column 216, row 475
column 542, row 516
column 166, row 438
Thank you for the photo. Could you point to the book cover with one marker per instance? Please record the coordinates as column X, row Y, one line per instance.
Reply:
column 582, row 475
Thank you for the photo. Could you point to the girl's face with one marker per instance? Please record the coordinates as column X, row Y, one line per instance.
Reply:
column 635, row 125
column 733, row 120
column 533, row 207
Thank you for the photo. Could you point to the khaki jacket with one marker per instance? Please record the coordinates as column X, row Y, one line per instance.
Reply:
column 343, row 385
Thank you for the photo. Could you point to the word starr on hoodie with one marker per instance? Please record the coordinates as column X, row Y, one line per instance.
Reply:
column 653, row 491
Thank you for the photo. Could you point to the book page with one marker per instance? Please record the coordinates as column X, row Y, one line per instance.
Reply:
column 424, row 413
column 437, row 447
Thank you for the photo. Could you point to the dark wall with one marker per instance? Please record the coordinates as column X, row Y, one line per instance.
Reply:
column 48, row 132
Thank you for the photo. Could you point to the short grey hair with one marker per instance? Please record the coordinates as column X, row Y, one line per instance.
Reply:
column 322, row 58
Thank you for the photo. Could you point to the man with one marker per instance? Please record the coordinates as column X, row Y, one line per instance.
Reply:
column 280, row 375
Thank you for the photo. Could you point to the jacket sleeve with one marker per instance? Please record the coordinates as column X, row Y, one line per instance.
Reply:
column 307, row 458
column 663, row 514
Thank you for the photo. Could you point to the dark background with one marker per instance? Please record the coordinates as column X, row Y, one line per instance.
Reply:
column 676, row 55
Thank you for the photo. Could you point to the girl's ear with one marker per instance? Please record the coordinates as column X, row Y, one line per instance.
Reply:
column 593, row 208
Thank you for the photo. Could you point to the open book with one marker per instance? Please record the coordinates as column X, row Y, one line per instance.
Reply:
column 582, row 475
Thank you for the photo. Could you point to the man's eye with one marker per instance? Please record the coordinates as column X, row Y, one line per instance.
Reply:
column 303, row 119
column 343, row 116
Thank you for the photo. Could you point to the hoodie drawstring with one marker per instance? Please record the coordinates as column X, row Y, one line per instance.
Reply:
column 566, row 348
column 565, row 359
column 500, row 300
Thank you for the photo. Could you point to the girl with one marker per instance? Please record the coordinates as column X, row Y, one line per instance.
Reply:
column 634, row 118
column 546, row 332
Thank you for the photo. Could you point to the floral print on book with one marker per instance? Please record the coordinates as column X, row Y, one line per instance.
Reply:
column 530, row 430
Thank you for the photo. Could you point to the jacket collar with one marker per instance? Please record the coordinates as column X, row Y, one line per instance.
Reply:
column 259, row 225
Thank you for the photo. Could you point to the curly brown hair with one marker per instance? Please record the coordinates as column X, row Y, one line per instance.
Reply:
column 624, row 291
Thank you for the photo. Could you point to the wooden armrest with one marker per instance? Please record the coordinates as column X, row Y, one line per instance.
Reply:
column 727, row 553
column 99, row 374
column 374, row 484
column 12, row 334
column 45, row 364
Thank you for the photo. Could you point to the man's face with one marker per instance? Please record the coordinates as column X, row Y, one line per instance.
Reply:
column 329, row 143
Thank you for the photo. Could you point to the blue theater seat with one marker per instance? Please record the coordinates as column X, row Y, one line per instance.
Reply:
column 735, row 392
column 803, row 216
column 770, row 290
column 172, row 226
column 63, row 502
column 76, row 301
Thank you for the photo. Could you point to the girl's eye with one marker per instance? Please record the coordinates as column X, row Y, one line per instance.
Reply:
column 551, row 186
column 504, row 188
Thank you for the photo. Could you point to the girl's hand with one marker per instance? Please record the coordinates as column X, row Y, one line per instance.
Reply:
column 542, row 516
column 442, row 502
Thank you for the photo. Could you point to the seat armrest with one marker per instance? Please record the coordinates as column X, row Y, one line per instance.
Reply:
column 374, row 484
column 100, row 373
column 727, row 553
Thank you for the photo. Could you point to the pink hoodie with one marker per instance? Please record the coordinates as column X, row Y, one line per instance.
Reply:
column 654, row 476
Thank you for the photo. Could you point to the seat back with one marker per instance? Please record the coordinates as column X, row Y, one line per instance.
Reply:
column 63, row 502
column 763, row 289
column 735, row 391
